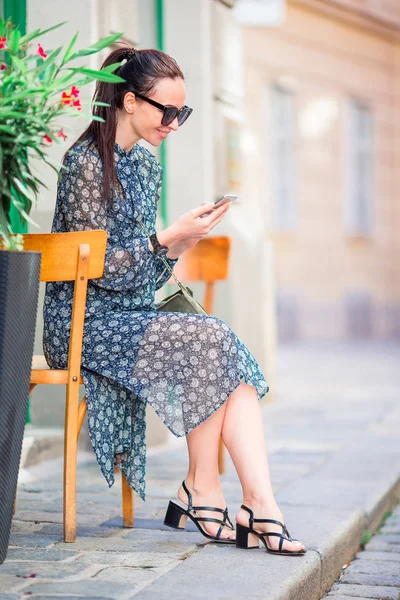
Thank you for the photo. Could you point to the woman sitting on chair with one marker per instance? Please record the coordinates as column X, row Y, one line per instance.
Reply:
column 201, row 380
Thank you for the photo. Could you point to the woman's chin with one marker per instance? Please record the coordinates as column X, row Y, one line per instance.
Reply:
column 154, row 140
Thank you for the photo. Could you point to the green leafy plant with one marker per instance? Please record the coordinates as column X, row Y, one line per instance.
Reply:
column 37, row 90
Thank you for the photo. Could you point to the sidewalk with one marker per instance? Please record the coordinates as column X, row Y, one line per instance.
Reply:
column 333, row 442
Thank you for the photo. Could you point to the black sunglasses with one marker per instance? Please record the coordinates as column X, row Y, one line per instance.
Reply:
column 170, row 112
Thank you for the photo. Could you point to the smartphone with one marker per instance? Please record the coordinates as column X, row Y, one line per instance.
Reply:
column 219, row 202
column 224, row 198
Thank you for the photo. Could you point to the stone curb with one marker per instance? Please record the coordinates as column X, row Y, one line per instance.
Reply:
column 271, row 577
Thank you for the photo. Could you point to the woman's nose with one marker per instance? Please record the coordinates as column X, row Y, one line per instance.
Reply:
column 174, row 125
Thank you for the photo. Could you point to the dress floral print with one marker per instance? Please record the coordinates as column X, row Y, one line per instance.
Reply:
column 184, row 365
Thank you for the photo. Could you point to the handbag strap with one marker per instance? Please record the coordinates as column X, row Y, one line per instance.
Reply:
column 180, row 284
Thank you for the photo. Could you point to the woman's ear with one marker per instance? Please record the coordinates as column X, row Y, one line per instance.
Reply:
column 129, row 102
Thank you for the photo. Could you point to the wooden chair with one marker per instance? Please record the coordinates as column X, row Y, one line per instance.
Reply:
column 75, row 256
column 207, row 261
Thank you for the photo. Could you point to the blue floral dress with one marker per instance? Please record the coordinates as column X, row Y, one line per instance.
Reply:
column 184, row 365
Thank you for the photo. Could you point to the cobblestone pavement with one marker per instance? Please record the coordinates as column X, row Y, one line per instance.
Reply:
column 375, row 571
column 332, row 434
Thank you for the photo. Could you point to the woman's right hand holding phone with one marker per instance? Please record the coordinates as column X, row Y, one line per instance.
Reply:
column 191, row 227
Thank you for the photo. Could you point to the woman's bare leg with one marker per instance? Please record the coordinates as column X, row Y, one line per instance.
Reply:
column 203, row 479
column 239, row 421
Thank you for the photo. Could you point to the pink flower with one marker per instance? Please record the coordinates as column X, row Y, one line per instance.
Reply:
column 47, row 139
column 41, row 52
column 3, row 66
column 67, row 98
column 61, row 134
column 2, row 42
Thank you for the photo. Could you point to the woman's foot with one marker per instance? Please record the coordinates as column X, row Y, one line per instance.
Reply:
column 214, row 498
column 268, row 511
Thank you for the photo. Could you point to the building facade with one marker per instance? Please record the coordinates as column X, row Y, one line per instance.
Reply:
column 322, row 142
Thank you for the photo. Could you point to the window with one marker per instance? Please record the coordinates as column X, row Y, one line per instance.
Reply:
column 359, row 197
column 282, row 132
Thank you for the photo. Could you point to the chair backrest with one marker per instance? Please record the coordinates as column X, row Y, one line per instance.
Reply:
column 71, row 256
column 207, row 261
column 60, row 253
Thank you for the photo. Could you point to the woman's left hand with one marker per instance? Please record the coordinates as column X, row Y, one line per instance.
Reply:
column 176, row 249
column 179, row 248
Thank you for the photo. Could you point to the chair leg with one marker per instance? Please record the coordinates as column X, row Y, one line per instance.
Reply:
column 70, row 452
column 81, row 415
column 221, row 457
column 128, row 509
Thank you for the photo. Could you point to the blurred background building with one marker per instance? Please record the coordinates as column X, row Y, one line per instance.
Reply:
column 295, row 110
column 322, row 99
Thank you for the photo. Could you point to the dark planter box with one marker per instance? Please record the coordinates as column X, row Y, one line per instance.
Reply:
column 19, row 286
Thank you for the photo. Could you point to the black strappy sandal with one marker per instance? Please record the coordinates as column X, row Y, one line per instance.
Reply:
column 247, row 538
column 176, row 517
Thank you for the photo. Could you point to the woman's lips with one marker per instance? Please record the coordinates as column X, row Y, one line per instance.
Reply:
column 163, row 134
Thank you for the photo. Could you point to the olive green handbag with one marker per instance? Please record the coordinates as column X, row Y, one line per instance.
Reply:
column 180, row 301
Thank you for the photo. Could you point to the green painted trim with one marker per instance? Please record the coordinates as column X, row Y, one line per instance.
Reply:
column 163, row 147
column 160, row 24
column 16, row 10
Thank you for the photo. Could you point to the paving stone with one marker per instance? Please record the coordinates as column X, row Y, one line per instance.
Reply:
column 379, row 555
column 41, row 503
column 39, row 554
column 343, row 597
column 137, row 576
column 49, row 597
column 132, row 559
column 365, row 591
column 370, row 567
column 376, row 544
column 391, row 529
column 140, row 540
column 42, row 570
column 150, row 523
column 389, row 539
column 10, row 583
column 372, row 579
column 32, row 541
column 81, row 531
column 95, row 518
column 8, row 596
column 24, row 526
column 84, row 587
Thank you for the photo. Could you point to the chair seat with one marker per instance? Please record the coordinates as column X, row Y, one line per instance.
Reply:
column 42, row 373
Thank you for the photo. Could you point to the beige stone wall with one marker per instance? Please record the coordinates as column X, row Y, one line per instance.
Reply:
column 325, row 61
column 386, row 10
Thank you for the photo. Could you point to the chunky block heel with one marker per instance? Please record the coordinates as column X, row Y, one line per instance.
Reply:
column 245, row 539
column 175, row 516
